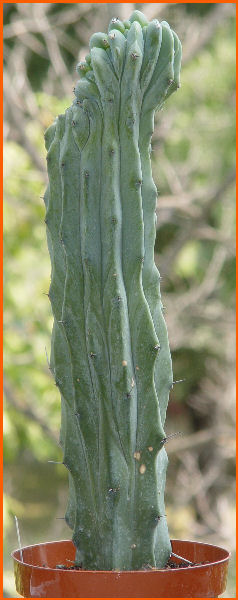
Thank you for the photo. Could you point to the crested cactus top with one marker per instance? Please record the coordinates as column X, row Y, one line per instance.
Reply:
column 151, row 49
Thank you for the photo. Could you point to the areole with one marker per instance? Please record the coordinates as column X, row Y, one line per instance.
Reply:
column 38, row 577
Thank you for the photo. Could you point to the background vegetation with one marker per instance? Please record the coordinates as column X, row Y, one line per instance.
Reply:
column 193, row 166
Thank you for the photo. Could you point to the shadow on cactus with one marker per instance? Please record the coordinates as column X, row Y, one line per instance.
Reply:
column 110, row 354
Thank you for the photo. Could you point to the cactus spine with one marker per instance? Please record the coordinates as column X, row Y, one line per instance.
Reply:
column 110, row 354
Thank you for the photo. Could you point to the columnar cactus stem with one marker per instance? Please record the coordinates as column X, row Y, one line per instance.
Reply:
column 110, row 354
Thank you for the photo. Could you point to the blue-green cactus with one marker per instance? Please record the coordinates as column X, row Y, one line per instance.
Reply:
column 110, row 354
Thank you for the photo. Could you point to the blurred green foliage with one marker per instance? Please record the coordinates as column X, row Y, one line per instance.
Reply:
column 27, row 314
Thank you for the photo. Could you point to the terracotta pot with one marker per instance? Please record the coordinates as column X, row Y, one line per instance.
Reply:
column 37, row 577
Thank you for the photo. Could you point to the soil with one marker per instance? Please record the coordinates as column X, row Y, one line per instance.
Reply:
column 170, row 565
column 180, row 565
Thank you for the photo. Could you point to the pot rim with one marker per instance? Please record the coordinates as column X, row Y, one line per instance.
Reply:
column 149, row 571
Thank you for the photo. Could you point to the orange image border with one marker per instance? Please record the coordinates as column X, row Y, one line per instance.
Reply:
column 1, row 212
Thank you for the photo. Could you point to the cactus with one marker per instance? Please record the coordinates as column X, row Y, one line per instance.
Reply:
column 110, row 354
